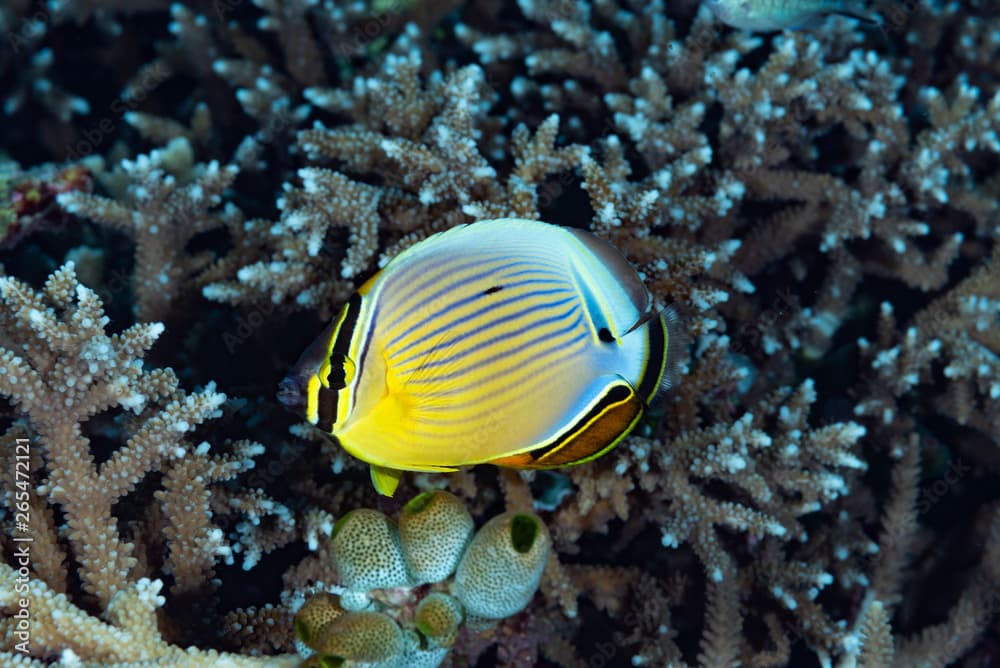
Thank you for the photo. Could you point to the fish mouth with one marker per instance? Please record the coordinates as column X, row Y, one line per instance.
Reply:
column 292, row 393
column 293, row 390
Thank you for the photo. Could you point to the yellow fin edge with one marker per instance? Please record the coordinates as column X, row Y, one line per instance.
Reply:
column 385, row 480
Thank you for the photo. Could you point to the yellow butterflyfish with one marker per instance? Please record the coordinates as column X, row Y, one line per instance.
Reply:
column 510, row 342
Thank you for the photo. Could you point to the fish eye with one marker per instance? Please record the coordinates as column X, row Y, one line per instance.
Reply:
column 337, row 371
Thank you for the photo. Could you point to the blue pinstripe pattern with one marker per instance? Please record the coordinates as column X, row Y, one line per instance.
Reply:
column 477, row 314
column 508, row 353
column 420, row 280
column 525, row 384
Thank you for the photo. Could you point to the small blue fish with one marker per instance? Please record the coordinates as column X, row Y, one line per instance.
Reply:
column 509, row 342
column 768, row 15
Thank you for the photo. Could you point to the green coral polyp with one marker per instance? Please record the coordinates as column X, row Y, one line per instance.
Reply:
column 523, row 530
column 438, row 618
column 366, row 551
column 365, row 637
column 302, row 631
column 331, row 661
column 339, row 524
column 501, row 568
column 314, row 615
column 419, row 502
column 435, row 528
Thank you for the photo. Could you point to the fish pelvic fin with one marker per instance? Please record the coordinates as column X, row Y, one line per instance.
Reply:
column 385, row 480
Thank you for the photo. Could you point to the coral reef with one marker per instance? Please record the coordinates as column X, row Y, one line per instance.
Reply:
column 400, row 605
column 189, row 191
column 60, row 369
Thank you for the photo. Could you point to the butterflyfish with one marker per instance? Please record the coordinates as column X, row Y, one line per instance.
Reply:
column 510, row 342
column 768, row 15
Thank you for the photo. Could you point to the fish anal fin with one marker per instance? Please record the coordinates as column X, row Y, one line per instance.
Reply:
column 596, row 432
column 522, row 460
column 385, row 479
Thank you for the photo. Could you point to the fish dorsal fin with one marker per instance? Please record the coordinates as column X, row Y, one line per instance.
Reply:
column 630, row 303
column 429, row 246
column 616, row 263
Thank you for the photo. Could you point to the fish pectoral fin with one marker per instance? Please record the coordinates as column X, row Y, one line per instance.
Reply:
column 425, row 378
column 596, row 430
column 385, row 480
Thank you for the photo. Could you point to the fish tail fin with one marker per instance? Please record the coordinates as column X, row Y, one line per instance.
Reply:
column 677, row 343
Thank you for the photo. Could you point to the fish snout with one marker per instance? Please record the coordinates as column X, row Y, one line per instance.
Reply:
column 292, row 392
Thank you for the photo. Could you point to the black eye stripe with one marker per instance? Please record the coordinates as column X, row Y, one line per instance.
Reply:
column 346, row 331
column 326, row 400
column 326, row 409
column 337, row 379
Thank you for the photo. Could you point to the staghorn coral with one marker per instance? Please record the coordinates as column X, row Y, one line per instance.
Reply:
column 958, row 333
column 167, row 204
column 413, row 150
column 129, row 637
column 54, row 345
column 30, row 65
column 819, row 206
column 57, row 340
